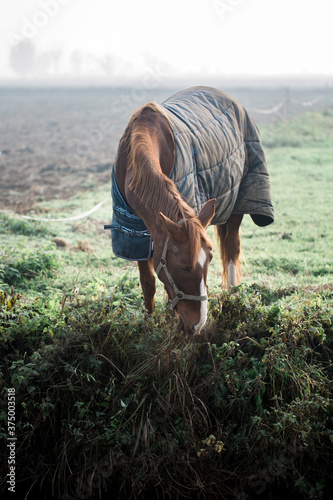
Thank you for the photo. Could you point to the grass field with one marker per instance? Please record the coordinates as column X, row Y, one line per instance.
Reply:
column 295, row 250
column 108, row 398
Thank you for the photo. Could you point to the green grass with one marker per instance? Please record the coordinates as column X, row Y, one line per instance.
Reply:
column 108, row 398
column 297, row 248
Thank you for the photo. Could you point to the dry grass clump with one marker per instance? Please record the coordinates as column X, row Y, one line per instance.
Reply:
column 112, row 401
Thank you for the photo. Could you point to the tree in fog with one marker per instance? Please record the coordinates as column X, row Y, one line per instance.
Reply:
column 107, row 63
column 22, row 57
column 47, row 62
column 77, row 60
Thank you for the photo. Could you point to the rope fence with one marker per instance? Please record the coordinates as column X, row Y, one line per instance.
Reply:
column 288, row 106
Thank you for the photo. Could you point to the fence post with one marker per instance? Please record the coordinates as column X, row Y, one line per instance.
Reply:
column 286, row 107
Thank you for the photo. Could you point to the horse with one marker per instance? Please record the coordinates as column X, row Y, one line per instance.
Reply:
column 192, row 161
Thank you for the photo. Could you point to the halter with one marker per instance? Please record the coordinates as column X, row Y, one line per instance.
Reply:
column 163, row 265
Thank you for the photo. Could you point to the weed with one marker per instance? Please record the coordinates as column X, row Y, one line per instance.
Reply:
column 99, row 388
column 15, row 226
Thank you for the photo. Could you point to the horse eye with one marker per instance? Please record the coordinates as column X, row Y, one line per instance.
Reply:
column 185, row 269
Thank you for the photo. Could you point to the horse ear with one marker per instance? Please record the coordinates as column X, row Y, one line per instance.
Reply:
column 173, row 229
column 207, row 212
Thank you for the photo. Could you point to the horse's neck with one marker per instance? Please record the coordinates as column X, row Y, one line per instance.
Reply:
column 162, row 144
column 155, row 193
column 144, row 162
column 143, row 173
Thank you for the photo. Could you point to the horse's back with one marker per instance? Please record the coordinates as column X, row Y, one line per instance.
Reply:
column 198, row 106
column 218, row 154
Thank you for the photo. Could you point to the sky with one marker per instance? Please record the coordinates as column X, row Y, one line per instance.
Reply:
column 152, row 41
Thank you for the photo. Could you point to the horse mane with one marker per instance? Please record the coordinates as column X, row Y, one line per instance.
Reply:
column 150, row 184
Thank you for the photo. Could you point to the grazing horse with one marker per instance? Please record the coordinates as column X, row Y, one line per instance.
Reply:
column 194, row 160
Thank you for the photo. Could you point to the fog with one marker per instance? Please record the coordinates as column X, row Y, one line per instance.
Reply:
column 152, row 44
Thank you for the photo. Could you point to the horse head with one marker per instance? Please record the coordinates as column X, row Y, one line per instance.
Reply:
column 182, row 265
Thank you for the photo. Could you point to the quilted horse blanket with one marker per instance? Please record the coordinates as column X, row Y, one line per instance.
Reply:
column 218, row 154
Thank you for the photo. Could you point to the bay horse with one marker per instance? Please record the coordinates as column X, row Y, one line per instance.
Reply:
column 196, row 159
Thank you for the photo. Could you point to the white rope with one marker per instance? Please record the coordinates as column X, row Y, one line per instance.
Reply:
column 271, row 110
column 284, row 102
column 309, row 103
column 75, row 217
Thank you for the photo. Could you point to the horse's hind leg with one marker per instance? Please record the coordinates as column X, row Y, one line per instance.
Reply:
column 148, row 283
column 228, row 235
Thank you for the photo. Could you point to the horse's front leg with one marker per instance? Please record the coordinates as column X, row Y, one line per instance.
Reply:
column 148, row 283
column 230, row 247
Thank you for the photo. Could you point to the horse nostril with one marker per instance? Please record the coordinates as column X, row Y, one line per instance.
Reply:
column 194, row 328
